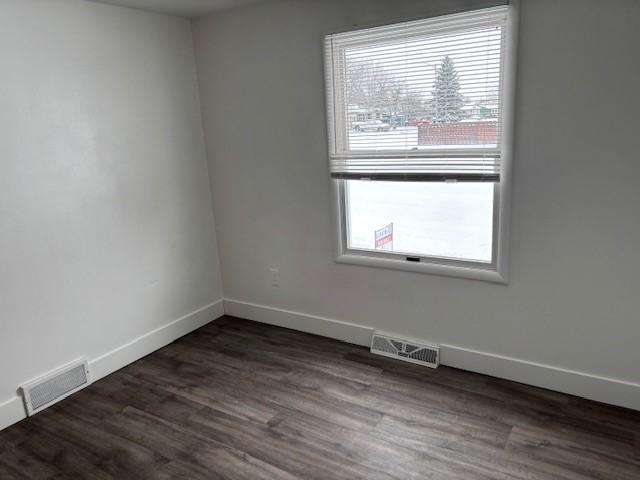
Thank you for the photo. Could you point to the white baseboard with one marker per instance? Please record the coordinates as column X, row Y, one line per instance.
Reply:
column 594, row 387
column 326, row 327
column 13, row 411
column 154, row 340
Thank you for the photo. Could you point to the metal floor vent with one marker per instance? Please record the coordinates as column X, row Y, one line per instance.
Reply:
column 405, row 350
column 55, row 386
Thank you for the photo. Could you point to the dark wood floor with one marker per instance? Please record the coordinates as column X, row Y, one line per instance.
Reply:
column 242, row 400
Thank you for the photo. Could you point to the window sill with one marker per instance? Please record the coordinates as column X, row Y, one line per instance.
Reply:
column 473, row 273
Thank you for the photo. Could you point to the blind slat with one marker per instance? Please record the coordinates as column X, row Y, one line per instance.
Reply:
column 418, row 177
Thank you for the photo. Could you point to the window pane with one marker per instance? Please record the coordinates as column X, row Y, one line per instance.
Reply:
column 451, row 220
column 424, row 92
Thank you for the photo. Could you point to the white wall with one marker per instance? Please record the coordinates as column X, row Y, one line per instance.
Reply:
column 572, row 301
column 106, row 226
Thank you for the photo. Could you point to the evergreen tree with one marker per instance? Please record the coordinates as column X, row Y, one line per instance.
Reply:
column 447, row 100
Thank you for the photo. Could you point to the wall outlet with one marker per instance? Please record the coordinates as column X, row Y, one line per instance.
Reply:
column 275, row 277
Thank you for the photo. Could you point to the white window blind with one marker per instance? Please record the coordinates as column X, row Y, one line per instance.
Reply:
column 419, row 100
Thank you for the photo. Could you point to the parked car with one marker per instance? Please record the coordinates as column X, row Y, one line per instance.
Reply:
column 416, row 122
column 397, row 121
column 372, row 126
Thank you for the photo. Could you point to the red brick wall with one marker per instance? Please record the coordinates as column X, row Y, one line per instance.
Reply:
column 467, row 133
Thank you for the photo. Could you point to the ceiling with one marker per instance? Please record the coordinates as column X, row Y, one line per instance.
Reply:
column 187, row 8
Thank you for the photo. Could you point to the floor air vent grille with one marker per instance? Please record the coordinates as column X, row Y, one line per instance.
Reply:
column 56, row 386
column 403, row 350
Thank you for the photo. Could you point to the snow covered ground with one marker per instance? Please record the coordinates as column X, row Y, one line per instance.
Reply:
column 432, row 219
column 402, row 138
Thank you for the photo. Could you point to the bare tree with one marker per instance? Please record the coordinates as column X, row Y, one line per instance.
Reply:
column 371, row 87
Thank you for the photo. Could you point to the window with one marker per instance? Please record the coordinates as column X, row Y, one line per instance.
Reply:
column 419, row 118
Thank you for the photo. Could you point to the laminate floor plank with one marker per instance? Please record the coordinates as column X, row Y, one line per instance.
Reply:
column 575, row 459
column 56, row 449
column 298, row 458
column 242, row 400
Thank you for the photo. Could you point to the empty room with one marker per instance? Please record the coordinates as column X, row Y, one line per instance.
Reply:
column 320, row 239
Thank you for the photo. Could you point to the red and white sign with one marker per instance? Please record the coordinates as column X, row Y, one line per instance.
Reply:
column 384, row 238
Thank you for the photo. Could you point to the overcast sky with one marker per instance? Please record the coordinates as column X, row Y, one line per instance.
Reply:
column 476, row 56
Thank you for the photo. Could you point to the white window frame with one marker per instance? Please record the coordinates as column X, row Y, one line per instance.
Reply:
column 497, row 270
